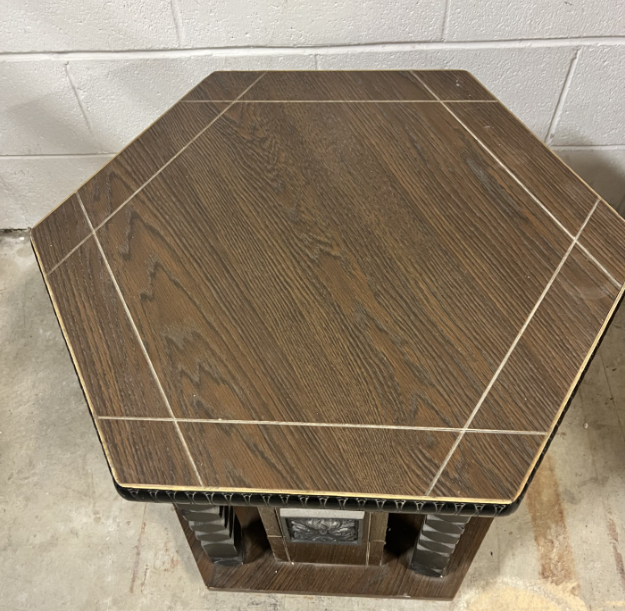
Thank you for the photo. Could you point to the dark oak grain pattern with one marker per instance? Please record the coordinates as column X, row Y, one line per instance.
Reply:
column 222, row 86
column 332, row 267
column 143, row 157
column 113, row 367
column 363, row 263
column 360, row 461
column 317, row 553
column 262, row 573
column 147, row 452
column 488, row 466
column 62, row 230
column 354, row 85
column 557, row 187
column 534, row 383
column 604, row 236
column 454, row 85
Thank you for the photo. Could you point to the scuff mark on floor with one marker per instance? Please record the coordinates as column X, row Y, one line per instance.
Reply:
column 145, row 578
column 135, row 567
column 555, row 554
column 618, row 557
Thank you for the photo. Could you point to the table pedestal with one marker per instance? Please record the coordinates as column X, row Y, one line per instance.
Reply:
column 419, row 557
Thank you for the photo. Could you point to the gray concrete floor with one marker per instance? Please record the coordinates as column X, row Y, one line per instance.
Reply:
column 67, row 541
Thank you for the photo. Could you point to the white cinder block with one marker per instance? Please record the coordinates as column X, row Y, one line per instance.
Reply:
column 527, row 80
column 32, row 186
column 501, row 19
column 268, row 60
column 39, row 112
column 594, row 109
column 123, row 97
column 72, row 25
column 215, row 23
column 602, row 168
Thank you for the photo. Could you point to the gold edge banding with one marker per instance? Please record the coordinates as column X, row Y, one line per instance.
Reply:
column 95, row 418
column 565, row 402
column 81, row 379
column 57, row 311
column 143, row 486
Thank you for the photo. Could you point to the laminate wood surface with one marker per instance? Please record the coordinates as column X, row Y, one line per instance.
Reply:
column 222, row 86
column 604, row 238
column 261, row 572
column 339, row 555
column 570, row 200
column 115, row 371
column 141, row 159
column 487, row 465
column 454, row 85
column 376, row 461
column 333, row 283
column 333, row 86
column 321, row 323
column 63, row 229
column 536, row 376
column 148, row 450
column 273, row 531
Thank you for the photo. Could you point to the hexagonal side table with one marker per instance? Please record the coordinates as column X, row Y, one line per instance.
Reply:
column 334, row 318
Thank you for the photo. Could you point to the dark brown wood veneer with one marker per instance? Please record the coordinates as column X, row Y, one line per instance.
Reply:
column 367, row 284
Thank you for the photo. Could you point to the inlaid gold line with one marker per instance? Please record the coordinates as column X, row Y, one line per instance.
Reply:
column 151, row 178
column 510, row 350
column 527, row 190
column 325, row 424
column 141, row 343
column 594, row 260
column 184, row 148
column 71, row 252
column 337, row 101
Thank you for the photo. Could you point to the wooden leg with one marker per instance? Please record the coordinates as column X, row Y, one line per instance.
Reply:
column 217, row 529
column 436, row 542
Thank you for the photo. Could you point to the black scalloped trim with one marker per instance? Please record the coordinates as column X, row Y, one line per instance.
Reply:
column 309, row 502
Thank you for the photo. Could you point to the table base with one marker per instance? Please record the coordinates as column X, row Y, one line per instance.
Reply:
column 393, row 578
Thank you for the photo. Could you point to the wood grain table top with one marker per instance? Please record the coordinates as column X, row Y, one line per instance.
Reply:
column 371, row 284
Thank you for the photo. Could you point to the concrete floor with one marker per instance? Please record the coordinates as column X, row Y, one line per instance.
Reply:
column 68, row 541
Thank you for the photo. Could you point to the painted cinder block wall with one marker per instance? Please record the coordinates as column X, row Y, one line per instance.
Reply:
column 79, row 80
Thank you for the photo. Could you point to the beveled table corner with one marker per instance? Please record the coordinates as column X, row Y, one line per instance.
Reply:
column 333, row 317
